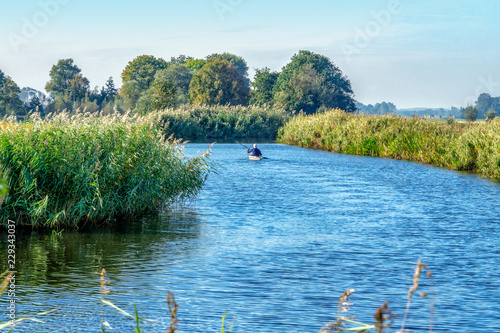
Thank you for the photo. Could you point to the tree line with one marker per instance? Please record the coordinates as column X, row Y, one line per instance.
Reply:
column 309, row 82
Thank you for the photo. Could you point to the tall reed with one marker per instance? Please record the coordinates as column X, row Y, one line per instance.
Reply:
column 473, row 147
column 72, row 170
column 208, row 123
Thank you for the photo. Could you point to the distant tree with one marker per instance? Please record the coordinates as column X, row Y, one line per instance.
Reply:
column 130, row 94
column 180, row 60
column 306, row 91
column 61, row 76
column 109, row 91
column 10, row 104
column 195, row 65
column 35, row 105
column 384, row 108
column 79, row 88
column 490, row 115
column 238, row 62
column 163, row 92
column 218, row 82
column 326, row 84
column 263, row 87
column 483, row 104
column 181, row 77
column 138, row 76
column 471, row 113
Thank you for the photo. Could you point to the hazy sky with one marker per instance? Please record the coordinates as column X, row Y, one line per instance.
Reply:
column 410, row 52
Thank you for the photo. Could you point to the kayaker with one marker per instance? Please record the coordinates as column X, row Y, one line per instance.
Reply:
column 255, row 151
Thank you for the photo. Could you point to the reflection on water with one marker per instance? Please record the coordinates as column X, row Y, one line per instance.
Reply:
column 275, row 243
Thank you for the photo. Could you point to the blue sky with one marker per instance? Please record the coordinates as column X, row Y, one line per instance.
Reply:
column 414, row 53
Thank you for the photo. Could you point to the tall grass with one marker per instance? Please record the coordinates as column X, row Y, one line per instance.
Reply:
column 472, row 147
column 202, row 123
column 87, row 169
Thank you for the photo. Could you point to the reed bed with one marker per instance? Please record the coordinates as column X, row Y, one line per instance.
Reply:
column 226, row 123
column 75, row 170
column 471, row 147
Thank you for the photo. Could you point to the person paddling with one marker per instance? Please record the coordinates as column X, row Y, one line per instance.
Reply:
column 254, row 151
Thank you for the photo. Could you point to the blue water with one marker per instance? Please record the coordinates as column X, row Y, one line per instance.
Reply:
column 275, row 243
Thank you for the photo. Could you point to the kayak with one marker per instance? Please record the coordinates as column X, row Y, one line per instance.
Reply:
column 254, row 158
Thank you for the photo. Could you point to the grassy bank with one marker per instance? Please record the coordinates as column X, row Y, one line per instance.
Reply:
column 76, row 170
column 472, row 147
column 223, row 123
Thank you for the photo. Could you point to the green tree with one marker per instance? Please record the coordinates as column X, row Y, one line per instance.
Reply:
column 109, row 91
column 263, row 87
column 312, row 70
column 181, row 77
column 306, row 91
column 483, row 104
column 10, row 104
column 218, row 82
column 180, row 60
column 471, row 113
column 142, row 70
column 490, row 115
column 163, row 92
column 138, row 76
column 35, row 105
column 195, row 65
column 238, row 62
column 61, row 76
column 79, row 88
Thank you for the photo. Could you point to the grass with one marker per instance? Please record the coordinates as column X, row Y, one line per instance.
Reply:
column 471, row 147
column 223, row 123
column 83, row 169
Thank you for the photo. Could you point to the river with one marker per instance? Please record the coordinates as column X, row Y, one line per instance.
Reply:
column 275, row 243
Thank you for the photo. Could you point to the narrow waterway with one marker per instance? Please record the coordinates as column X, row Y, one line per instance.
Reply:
column 275, row 243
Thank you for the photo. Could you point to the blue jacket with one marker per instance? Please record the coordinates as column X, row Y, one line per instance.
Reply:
column 255, row 152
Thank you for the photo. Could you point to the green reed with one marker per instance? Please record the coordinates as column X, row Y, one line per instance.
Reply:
column 226, row 123
column 472, row 147
column 72, row 170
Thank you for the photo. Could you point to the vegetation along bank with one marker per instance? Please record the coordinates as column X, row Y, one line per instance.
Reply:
column 225, row 123
column 84, row 169
column 472, row 147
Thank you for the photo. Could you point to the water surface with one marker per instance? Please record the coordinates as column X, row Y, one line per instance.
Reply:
column 275, row 243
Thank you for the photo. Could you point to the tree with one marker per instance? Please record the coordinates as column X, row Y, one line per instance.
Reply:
column 263, row 87
column 490, row 115
column 109, row 91
column 181, row 77
column 471, row 113
column 78, row 88
column 483, row 104
column 218, row 82
column 10, row 104
column 238, row 62
column 142, row 70
column 306, row 91
column 61, row 76
column 138, row 76
column 311, row 69
column 163, row 92
column 195, row 65
column 35, row 105
column 180, row 60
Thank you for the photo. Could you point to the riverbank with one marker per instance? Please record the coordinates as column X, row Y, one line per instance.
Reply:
column 471, row 147
column 223, row 123
column 72, row 171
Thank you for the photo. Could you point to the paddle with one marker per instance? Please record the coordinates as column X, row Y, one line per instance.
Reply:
column 264, row 158
column 242, row 145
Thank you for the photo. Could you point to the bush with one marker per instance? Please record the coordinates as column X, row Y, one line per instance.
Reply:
column 85, row 169
column 473, row 147
column 205, row 123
